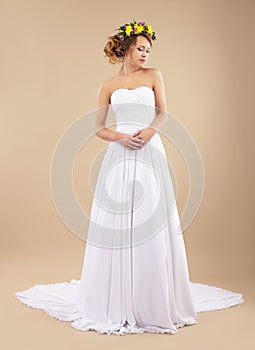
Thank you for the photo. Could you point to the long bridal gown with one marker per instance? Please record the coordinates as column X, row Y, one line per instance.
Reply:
column 135, row 274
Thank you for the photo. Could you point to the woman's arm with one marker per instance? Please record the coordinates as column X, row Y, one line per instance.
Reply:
column 103, row 106
column 160, row 100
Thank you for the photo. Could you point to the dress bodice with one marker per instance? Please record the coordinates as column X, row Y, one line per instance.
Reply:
column 133, row 108
column 142, row 94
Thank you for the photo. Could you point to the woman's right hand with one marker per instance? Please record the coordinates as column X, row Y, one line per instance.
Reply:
column 130, row 142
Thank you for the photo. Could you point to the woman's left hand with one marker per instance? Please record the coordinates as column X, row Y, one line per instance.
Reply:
column 145, row 134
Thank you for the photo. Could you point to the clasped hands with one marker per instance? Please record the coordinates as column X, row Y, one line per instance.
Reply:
column 137, row 140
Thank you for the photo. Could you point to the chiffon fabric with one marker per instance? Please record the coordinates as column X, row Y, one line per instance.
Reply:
column 135, row 275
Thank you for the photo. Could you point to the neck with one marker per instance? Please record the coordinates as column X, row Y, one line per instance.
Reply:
column 128, row 69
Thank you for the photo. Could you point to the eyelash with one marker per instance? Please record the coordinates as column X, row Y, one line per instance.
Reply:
column 142, row 50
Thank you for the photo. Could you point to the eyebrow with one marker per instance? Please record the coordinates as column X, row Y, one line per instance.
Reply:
column 144, row 46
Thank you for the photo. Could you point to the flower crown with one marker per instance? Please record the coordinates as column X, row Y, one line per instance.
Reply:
column 134, row 28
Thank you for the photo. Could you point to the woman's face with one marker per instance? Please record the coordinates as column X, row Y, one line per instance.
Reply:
column 139, row 53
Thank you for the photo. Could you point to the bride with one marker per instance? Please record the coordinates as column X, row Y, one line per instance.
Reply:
column 135, row 274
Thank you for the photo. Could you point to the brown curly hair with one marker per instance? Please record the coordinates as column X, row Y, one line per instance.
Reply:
column 115, row 49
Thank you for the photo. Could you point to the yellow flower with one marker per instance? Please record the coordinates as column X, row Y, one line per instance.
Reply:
column 138, row 28
column 149, row 30
column 128, row 30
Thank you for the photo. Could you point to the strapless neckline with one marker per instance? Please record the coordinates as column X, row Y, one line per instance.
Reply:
column 139, row 87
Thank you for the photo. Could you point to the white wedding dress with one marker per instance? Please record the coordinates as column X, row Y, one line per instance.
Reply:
column 135, row 275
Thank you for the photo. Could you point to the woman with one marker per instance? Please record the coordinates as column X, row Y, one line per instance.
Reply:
column 135, row 274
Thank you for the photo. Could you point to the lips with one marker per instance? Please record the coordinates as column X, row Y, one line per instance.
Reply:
column 142, row 60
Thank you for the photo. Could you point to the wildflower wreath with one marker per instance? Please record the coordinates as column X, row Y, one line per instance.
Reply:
column 134, row 28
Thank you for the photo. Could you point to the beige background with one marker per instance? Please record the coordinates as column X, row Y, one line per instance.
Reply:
column 51, row 66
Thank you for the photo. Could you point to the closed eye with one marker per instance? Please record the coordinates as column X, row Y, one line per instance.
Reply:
column 142, row 50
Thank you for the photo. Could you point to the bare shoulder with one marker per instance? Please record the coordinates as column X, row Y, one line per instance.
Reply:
column 105, row 85
column 158, row 87
column 155, row 76
column 105, row 88
column 155, row 73
column 104, row 92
